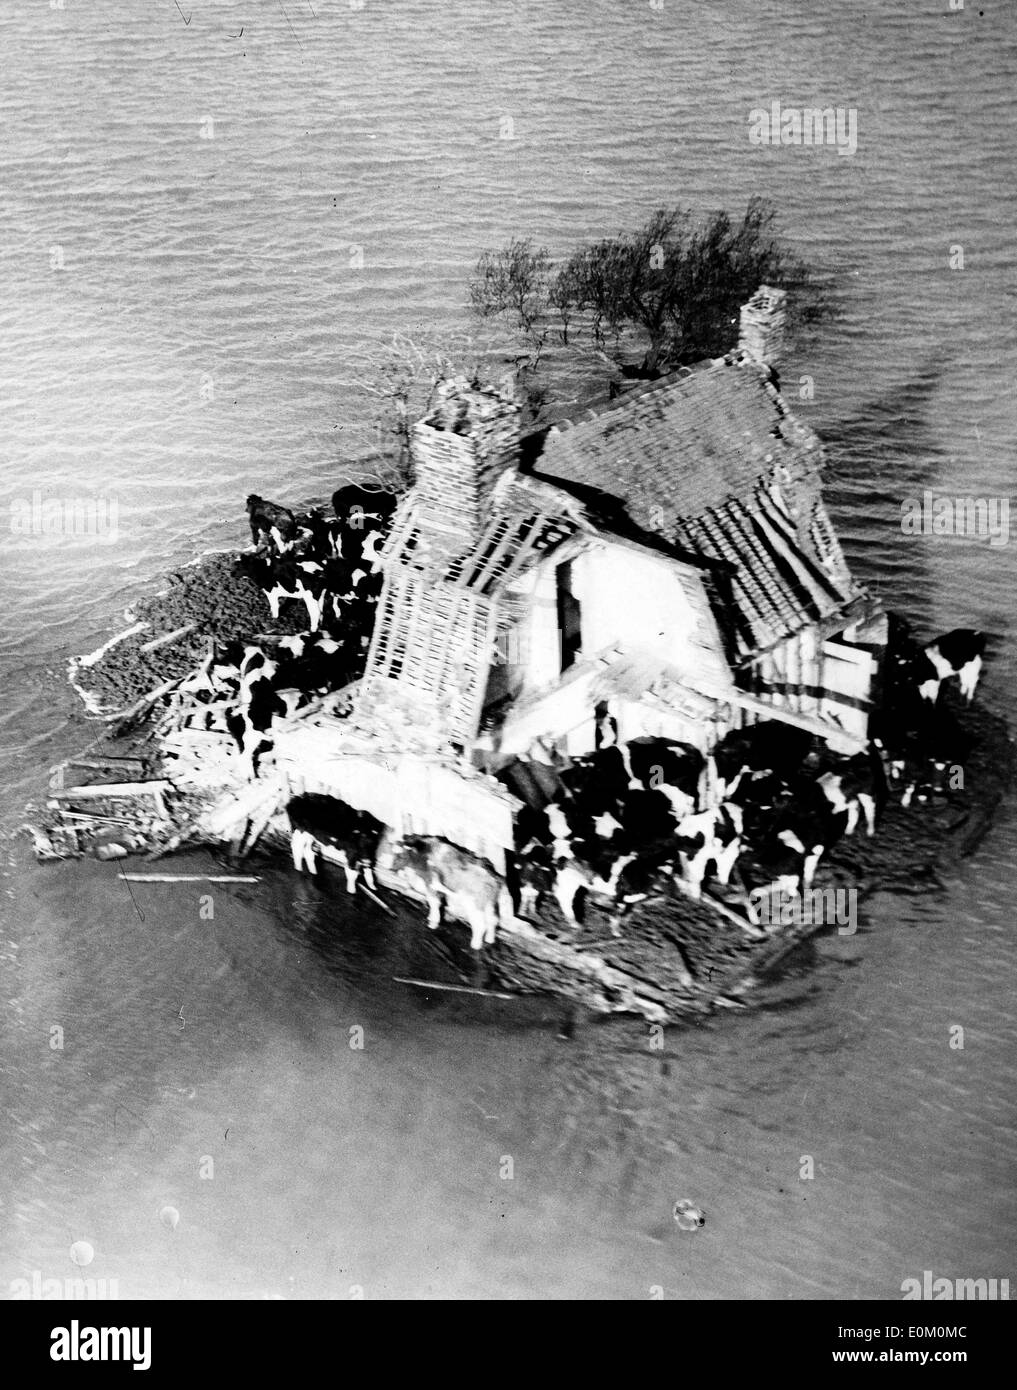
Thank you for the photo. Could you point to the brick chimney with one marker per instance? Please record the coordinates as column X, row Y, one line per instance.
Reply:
column 761, row 333
column 462, row 448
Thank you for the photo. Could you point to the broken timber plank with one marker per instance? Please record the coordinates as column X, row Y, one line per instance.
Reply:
column 139, row 706
column 190, row 878
column 453, row 989
column 168, row 637
column 97, row 790
column 632, row 994
column 105, row 764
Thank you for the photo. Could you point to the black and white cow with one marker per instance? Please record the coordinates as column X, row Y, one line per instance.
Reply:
column 360, row 509
column 856, row 784
column 771, row 746
column 923, row 756
column 576, row 875
column 286, row 578
column 600, row 778
column 664, row 765
column 811, row 822
column 338, row 832
column 314, row 664
column 774, row 864
column 958, row 653
column 647, row 817
column 258, row 703
column 713, row 836
column 531, row 879
column 760, row 795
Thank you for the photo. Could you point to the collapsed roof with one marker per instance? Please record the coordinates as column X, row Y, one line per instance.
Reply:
column 710, row 460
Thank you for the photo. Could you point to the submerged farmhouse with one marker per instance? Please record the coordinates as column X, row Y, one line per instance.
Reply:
column 664, row 562
column 658, row 573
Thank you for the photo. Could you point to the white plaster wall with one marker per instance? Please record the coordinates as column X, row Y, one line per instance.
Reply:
column 533, row 648
column 628, row 599
column 632, row 599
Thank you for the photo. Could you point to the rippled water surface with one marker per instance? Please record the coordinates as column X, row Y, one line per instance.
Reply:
column 143, row 262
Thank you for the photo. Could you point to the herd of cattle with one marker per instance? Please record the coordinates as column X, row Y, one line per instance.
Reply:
column 653, row 815
column 770, row 799
column 631, row 818
column 332, row 566
column 624, row 821
column 450, row 880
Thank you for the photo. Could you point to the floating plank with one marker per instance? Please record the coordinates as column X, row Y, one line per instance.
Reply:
column 453, row 989
column 189, row 878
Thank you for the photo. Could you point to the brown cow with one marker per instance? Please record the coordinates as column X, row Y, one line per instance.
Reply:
column 455, row 881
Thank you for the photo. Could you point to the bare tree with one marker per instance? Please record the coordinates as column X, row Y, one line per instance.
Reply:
column 675, row 285
column 397, row 376
column 516, row 281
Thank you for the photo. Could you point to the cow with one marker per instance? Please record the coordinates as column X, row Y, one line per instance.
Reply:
column 322, row 665
column 270, row 520
column 532, row 828
column 779, row 865
column 577, row 875
column 918, row 672
column 568, row 821
column 778, row 746
column 258, row 703
column 371, row 552
column 958, row 653
column 454, row 881
column 600, row 777
column 831, row 784
column 943, row 748
column 771, row 746
column 250, row 744
column 605, row 726
column 676, row 769
column 728, row 829
column 647, row 817
column 620, row 878
column 919, row 749
column 855, row 784
column 531, row 880
column 759, row 795
column 651, row 871
column 531, row 875
column 324, row 535
column 809, row 824
column 354, row 506
column 705, row 837
column 289, row 578
column 347, row 577
column 340, row 833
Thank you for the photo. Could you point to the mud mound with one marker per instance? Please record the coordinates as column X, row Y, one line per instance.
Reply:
column 216, row 598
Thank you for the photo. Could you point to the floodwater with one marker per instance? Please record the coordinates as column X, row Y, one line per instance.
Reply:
column 185, row 212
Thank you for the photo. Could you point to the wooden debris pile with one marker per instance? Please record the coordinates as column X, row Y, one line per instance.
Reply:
column 169, row 637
